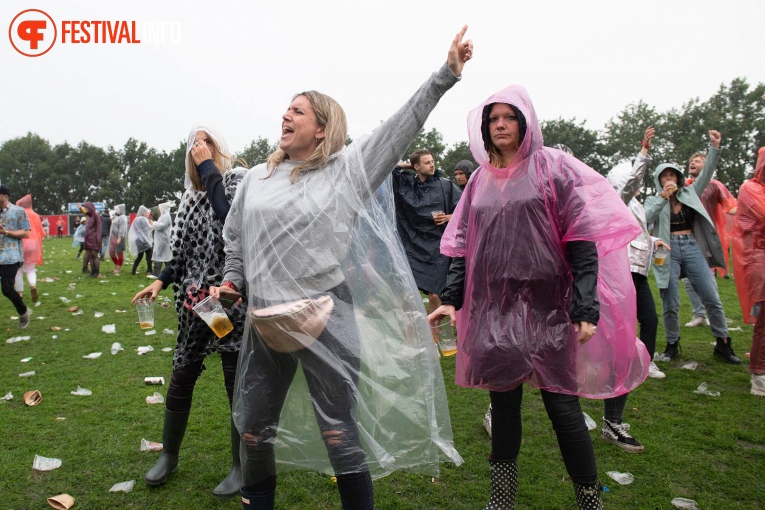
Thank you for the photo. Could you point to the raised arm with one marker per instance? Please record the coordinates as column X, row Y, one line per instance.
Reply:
column 382, row 149
column 710, row 164
column 628, row 189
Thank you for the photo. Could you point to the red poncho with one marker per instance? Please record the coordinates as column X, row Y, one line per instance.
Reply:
column 32, row 245
column 718, row 202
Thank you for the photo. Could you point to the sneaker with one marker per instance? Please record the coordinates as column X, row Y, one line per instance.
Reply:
column 24, row 319
column 487, row 419
column 724, row 350
column 697, row 321
column 758, row 385
column 654, row 372
column 34, row 294
column 672, row 351
column 616, row 433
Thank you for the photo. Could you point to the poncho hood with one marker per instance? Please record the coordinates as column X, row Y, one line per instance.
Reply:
column 222, row 145
column 671, row 166
column 25, row 202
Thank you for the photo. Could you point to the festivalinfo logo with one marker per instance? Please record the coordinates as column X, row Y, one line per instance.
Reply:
column 34, row 32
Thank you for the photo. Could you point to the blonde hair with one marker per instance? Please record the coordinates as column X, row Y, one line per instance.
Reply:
column 330, row 116
column 222, row 161
column 495, row 157
column 701, row 155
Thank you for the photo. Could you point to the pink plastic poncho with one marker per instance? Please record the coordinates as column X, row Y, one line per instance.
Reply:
column 32, row 245
column 512, row 226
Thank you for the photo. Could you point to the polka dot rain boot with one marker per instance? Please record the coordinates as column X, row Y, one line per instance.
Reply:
column 588, row 496
column 504, row 483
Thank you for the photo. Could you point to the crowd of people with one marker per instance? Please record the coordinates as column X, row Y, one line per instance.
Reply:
column 541, row 263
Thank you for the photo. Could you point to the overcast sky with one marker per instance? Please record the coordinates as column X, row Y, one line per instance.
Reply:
column 236, row 65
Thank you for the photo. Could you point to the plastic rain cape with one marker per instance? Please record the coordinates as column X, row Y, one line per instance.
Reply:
column 32, row 245
column 749, row 241
column 162, row 250
column 382, row 340
column 512, row 226
column 140, row 238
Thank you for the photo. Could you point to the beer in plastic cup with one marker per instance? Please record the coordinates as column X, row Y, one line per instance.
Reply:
column 444, row 335
column 211, row 311
column 145, row 307
column 436, row 213
column 660, row 255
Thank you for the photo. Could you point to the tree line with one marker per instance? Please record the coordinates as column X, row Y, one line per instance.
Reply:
column 137, row 174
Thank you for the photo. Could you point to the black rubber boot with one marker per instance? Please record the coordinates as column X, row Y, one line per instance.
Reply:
column 232, row 484
column 588, row 496
column 172, row 437
column 504, row 484
column 260, row 499
column 356, row 491
column 724, row 350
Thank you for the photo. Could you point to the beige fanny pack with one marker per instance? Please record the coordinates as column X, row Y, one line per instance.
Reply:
column 289, row 327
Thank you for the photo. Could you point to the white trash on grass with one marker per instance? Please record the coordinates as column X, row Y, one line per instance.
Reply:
column 25, row 360
column 143, row 349
column 621, row 478
column 150, row 446
column 688, row 504
column 93, row 355
column 151, row 332
column 81, row 392
column 116, row 347
column 167, row 349
column 123, row 486
column 45, row 463
column 157, row 398
column 109, row 328
column 8, row 396
column 702, row 390
column 167, row 331
column 17, row 339
column 591, row 425
column 27, row 374
column 98, row 314
column 690, row 366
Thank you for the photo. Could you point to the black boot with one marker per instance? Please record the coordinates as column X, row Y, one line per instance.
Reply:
column 356, row 491
column 672, row 351
column 260, row 499
column 588, row 496
column 172, row 437
column 724, row 350
column 504, row 484
column 231, row 485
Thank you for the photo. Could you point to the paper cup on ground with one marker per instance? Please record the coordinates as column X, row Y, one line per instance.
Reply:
column 145, row 309
column 660, row 256
column 444, row 335
column 32, row 398
column 211, row 311
column 61, row 502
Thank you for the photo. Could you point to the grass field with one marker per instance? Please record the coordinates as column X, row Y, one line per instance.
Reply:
column 710, row 449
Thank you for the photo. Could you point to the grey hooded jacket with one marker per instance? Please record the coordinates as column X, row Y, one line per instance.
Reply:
column 657, row 211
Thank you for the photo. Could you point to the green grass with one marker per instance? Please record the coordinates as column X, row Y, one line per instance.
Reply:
column 710, row 449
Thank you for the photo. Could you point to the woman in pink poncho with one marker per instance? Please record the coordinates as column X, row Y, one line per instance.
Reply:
column 32, row 248
column 749, row 266
column 538, row 244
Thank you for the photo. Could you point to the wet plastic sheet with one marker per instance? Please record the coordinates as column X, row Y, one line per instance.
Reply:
column 374, row 370
column 512, row 226
column 140, row 238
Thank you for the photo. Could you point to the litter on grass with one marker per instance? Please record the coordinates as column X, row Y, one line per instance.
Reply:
column 78, row 312
column 78, row 296
column 150, row 446
column 621, row 478
column 151, row 332
column 123, row 486
column 735, row 329
column 167, row 331
column 17, row 339
column 690, row 366
column 38, row 304
column 702, row 390
column 93, row 355
column 143, row 349
column 660, row 357
column 157, row 398
column 154, row 380
column 109, row 328
column 40, row 318
column 98, row 314
column 26, row 359
column 116, row 347
column 8, row 396
column 27, row 374
column 55, row 328
column 167, row 349
column 82, row 392
column 120, row 311
column 591, row 425
column 688, row 504
column 65, row 300
column 45, row 463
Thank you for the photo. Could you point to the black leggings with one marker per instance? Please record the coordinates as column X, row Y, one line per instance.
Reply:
column 140, row 257
column 567, row 420
column 8, row 280
column 183, row 380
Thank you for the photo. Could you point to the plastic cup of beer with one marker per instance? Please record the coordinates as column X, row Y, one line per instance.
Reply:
column 436, row 213
column 660, row 255
column 145, row 309
column 211, row 311
column 444, row 335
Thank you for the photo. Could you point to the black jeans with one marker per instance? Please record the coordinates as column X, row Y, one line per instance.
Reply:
column 140, row 257
column 567, row 420
column 8, row 279
column 183, row 380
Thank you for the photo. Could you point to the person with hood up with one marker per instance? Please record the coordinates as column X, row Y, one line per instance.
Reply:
column 749, row 266
column 118, row 238
column 305, row 228
column 162, row 252
column 92, row 240
column 196, row 266
column 140, row 239
column 106, row 229
column 32, row 249
column 681, row 221
column 78, row 239
column 424, row 202
column 540, row 289
column 462, row 172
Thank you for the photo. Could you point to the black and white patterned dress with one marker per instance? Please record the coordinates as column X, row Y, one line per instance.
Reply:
column 197, row 264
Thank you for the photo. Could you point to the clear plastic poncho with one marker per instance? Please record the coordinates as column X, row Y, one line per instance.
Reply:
column 139, row 238
column 119, row 230
column 512, row 226
column 162, row 228
column 374, row 372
